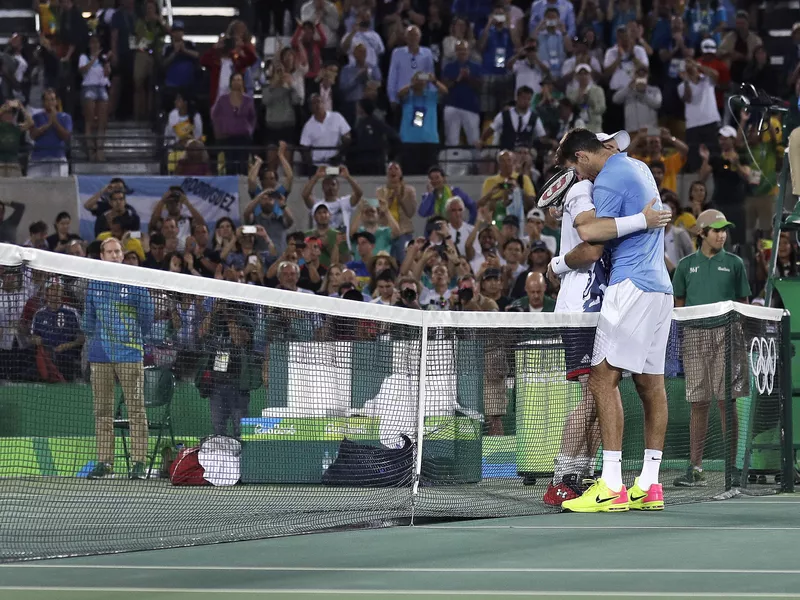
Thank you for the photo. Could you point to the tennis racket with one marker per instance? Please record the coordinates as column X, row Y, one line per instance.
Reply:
column 556, row 188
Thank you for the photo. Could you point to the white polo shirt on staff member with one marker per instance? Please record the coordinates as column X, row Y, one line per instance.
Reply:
column 325, row 134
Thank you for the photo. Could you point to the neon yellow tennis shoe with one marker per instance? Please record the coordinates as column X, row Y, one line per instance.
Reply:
column 651, row 499
column 598, row 498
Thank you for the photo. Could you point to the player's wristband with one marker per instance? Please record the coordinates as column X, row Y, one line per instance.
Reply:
column 631, row 224
column 559, row 265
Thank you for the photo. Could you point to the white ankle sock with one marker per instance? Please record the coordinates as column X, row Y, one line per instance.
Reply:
column 563, row 464
column 612, row 469
column 650, row 467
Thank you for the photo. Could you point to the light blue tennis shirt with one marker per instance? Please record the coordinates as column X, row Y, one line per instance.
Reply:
column 623, row 188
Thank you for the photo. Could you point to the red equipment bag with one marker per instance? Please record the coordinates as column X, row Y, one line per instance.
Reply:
column 186, row 468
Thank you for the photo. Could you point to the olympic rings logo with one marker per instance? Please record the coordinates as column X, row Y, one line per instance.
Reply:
column 763, row 362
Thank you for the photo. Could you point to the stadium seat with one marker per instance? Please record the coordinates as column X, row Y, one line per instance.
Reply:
column 456, row 161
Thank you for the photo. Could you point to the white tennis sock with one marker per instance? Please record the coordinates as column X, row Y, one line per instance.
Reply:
column 650, row 468
column 563, row 464
column 612, row 469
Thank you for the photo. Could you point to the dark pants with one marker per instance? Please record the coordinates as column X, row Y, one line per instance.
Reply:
column 707, row 135
column 271, row 12
column 418, row 158
column 273, row 135
column 236, row 154
column 228, row 403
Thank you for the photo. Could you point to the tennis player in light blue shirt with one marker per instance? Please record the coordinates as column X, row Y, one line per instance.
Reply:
column 633, row 329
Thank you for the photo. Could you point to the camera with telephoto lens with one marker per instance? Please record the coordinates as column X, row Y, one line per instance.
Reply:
column 408, row 295
column 465, row 295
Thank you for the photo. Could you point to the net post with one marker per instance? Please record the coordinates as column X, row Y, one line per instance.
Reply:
column 728, row 438
column 787, row 435
column 423, row 363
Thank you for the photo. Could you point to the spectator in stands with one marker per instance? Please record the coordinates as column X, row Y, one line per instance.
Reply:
column 72, row 34
column 269, row 210
column 332, row 281
column 150, row 33
column 234, row 119
column 263, row 176
column 123, row 25
column 497, row 46
column 647, row 145
column 61, row 239
column 178, row 207
column 507, row 192
column 566, row 14
column 460, row 229
column 51, row 131
column 311, row 271
column 363, row 33
column 588, row 99
column 698, row 201
column 385, row 291
column 435, row 200
column 619, row 65
column 327, row 91
column 14, row 121
column 363, row 243
column 401, row 199
column 373, row 216
column 552, row 42
column 95, row 68
column 339, row 207
column 308, row 41
column 518, row 126
column 13, row 297
column 229, row 365
column 37, row 236
column 641, row 102
column 334, row 241
column 462, row 77
column 14, row 70
column 707, row 276
column 289, row 276
column 487, row 236
column 406, row 61
column 677, row 241
column 180, row 63
column 324, row 135
column 224, row 230
column 373, row 141
column 280, row 101
column 767, row 146
column 460, row 31
column 528, row 68
column 438, row 296
column 791, row 58
column 56, row 334
column 325, row 15
column 672, row 49
column 419, row 127
column 296, row 66
column 535, row 299
column 195, row 161
column 116, row 345
column 708, row 58
column 534, row 230
column 232, row 54
column 580, row 55
column 737, row 46
column 117, row 206
column 705, row 18
column 702, row 115
column 354, row 79
column 183, row 122
column 760, row 73
column 731, row 171
column 157, row 257
column 241, row 249
column 200, row 258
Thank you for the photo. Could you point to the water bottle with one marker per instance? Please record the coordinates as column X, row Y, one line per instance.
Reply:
column 327, row 460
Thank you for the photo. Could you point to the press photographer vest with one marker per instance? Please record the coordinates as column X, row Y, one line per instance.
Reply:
column 513, row 135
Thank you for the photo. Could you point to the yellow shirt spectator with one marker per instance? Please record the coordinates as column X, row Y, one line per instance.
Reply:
column 673, row 163
column 500, row 195
column 131, row 245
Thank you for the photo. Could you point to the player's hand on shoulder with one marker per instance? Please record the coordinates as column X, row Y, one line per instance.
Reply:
column 656, row 218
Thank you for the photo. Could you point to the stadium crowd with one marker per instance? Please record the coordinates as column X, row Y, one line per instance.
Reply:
column 365, row 88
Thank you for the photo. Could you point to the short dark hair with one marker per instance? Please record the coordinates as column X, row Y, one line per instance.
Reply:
column 657, row 164
column 524, row 89
column 385, row 275
column 123, row 221
column 552, row 9
column 117, row 180
column 158, row 239
column 62, row 215
column 513, row 241
column 37, row 227
column 436, row 169
column 577, row 140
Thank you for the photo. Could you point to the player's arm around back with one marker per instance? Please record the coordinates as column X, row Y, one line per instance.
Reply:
column 595, row 229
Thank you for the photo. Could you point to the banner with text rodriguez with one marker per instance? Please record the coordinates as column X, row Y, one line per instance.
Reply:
column 213, row 197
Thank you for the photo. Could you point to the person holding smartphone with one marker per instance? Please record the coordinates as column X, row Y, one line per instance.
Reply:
column 419, row 125
column 269, row 210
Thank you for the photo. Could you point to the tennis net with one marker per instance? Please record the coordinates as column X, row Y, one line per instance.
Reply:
column 337, row 413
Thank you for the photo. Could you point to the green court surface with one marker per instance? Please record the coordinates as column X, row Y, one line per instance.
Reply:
column 746, row 547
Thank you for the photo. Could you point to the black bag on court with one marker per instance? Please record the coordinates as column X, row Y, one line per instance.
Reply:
column 362, row 465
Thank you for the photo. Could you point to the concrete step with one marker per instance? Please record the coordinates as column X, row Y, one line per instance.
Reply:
column 116, row 168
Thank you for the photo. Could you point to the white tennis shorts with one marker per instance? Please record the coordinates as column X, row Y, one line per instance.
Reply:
column 633, row 330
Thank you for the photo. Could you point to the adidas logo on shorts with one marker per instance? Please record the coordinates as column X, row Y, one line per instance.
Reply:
column 586, row 358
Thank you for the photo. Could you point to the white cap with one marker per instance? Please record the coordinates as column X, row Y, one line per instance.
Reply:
column 708, row 46
column 317, row 206
column 622, row 138
column 583, row 67
column 535, row 213
column 727, row 131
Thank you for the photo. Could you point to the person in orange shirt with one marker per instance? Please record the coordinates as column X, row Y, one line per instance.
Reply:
column 648, row 146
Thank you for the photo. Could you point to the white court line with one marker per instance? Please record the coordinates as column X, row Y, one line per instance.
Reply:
column 609, row 527
column 71, row 567
column 378, row 593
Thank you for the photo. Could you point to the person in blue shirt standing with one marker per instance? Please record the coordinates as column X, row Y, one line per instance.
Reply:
column 463, row 79
column 117, row 320
column 419, row 125
column 56, row 328
column 497, row 46
column 50, row 133
column 405, row 63
column 705, row 18
column 635, row 318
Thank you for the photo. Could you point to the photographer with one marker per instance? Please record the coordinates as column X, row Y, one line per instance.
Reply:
column 409, row 292
column 269, row 210
column 468, row 298
column 174, row 200
column 14, row 121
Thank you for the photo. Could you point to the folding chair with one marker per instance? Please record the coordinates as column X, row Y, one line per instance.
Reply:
column 159, row 388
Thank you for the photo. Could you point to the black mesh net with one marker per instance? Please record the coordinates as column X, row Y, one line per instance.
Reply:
column 280, row 417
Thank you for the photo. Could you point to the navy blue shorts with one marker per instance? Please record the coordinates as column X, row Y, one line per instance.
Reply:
column 578, row 347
